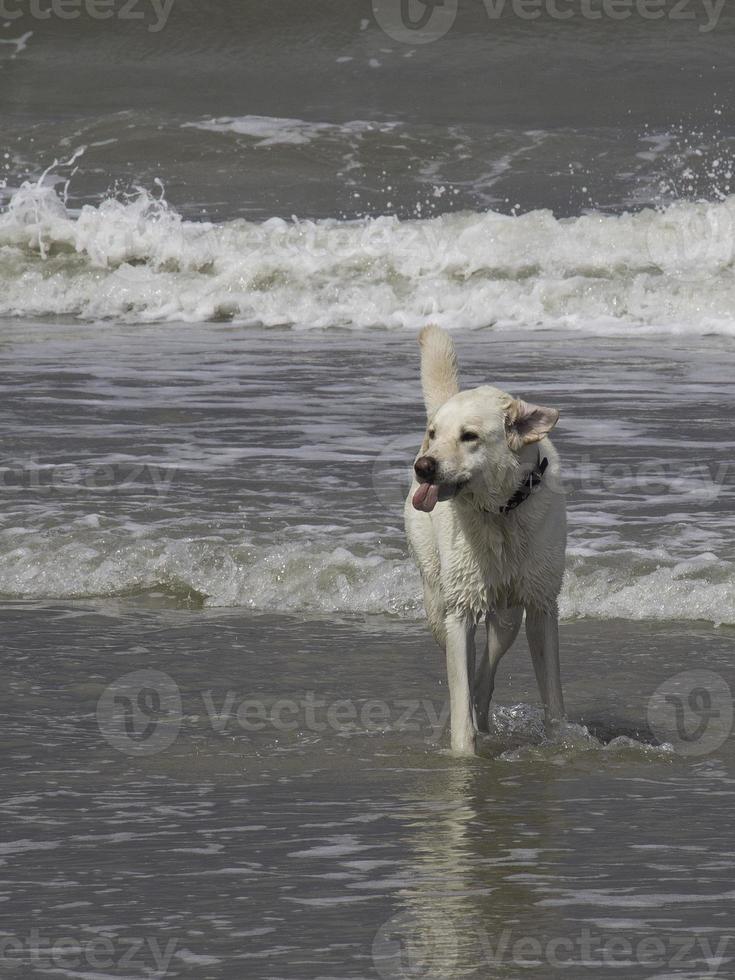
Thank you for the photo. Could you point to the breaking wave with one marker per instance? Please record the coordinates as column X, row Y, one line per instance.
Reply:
column 321, row 577
column 137, row 260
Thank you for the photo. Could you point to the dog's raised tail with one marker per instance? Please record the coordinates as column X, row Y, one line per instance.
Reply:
column 439, row 370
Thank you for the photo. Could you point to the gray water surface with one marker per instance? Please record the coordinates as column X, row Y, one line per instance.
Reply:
column 339, row 848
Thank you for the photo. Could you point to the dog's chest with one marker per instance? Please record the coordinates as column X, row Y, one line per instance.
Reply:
column 482, row 562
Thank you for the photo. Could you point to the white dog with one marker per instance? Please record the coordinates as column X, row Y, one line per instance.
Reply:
column 486, row 522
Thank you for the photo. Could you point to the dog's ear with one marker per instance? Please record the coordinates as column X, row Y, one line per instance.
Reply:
column 439, row 371
column 525, row 423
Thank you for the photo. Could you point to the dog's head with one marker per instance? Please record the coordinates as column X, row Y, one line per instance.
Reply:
column 473, row 445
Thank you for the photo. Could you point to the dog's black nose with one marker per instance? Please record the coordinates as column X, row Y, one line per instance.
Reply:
column 425, row 467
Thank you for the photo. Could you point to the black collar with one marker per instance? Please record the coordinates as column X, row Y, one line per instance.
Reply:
column 529, row 485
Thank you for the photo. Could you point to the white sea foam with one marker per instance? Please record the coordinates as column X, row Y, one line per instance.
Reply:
column 568, row 742
column 272, row 130
column 700, row 588
column 319, row 576
column 18, row 44
column 140, row 261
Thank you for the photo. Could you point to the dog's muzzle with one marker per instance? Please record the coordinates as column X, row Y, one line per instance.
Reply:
column 430, row 493
column 425, row 468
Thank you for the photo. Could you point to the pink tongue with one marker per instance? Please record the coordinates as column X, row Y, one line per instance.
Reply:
column 426, row 497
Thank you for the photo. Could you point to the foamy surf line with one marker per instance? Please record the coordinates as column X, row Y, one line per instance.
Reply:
column 139, row 261
column 317, row 578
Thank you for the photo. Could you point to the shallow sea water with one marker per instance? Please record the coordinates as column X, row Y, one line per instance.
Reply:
column 224, row 718
column 326, row 832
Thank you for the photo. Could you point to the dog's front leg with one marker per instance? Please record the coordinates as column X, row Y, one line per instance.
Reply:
column 542, row 630
column 460, row 640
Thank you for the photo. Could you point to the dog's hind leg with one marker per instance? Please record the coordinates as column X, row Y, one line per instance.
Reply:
column 542, row 630
column 502, row 629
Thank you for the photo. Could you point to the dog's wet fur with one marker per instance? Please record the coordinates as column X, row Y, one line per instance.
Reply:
column 476, row 561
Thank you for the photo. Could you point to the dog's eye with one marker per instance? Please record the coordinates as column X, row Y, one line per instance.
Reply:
column 469, row 437
column 432, row 433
